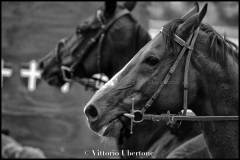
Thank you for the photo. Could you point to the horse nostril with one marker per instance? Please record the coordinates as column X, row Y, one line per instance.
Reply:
column 91, row 112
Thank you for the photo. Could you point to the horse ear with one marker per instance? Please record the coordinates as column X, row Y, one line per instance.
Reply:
column 185, row 29
column 191, row 12
column 110, row 7
column 130, row 5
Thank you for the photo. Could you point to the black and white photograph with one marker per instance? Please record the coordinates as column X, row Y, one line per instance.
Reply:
column 120, row 79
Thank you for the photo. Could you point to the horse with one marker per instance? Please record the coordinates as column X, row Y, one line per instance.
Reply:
column 12, row 149
column 209, row 80
column 89, row 51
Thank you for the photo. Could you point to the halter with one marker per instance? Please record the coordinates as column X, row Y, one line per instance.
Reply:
column 67, row 72
column 138, row 116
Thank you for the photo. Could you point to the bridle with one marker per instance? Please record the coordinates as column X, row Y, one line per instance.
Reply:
column 68, row 71
column 138, row 116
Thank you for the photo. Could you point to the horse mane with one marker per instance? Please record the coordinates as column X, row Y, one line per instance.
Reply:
column 219, row 46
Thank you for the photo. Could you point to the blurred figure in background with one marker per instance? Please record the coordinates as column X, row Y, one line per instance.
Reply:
column 12, row 149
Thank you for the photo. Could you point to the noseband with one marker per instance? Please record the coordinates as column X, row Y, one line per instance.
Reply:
column 138, row 116
column 68, row 72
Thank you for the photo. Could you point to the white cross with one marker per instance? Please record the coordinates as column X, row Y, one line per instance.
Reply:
column 65, row 88
column 6, row 72
column 32, row 74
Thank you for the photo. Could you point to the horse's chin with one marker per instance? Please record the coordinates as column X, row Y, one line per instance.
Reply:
column 111, row 130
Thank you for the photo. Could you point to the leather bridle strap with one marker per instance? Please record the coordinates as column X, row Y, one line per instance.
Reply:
column 99, row 52
column 186, row 70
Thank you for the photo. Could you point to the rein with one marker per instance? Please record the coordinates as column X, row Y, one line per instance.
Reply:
column 138, row 116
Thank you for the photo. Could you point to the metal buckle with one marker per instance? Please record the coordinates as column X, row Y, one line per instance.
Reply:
column 171, row 121
column 66, row 73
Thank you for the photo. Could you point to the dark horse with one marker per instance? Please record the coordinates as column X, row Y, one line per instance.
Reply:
column 90, row 50
column 131, row 33
column 212, row 85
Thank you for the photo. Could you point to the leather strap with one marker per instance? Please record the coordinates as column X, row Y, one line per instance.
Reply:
column 185, row 82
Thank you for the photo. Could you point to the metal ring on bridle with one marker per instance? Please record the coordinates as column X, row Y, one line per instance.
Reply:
column 66, row 73
column 138, row 116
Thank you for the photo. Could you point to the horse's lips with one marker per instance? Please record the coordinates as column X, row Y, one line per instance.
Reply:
column 106, row 130
column 102, row 130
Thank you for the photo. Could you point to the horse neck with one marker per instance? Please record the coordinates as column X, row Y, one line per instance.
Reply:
column 143, row 137
column 219, row 97
column 134, row 37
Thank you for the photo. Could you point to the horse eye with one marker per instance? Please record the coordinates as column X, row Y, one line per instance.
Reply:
column 151, row 60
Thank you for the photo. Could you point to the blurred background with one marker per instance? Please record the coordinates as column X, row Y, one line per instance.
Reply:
column 51, row 119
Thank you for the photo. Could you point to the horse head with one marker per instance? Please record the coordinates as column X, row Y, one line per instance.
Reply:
column 90, row 49
column 141, row 77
